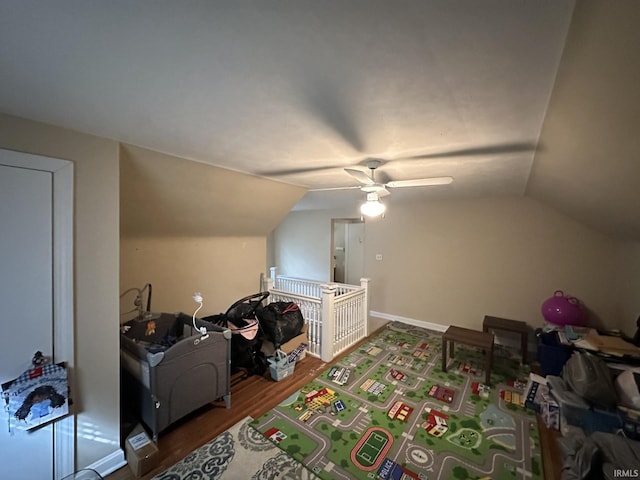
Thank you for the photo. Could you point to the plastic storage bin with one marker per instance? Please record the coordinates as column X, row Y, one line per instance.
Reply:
column 280, row 366
column 552, row 355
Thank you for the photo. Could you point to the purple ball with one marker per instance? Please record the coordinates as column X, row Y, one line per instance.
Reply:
column 561, row 310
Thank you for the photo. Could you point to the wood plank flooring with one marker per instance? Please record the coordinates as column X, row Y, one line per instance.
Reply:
column 551, row 457
column 255, row 395
column 250, row 396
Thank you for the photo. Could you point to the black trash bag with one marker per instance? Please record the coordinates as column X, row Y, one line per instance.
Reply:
column 589, row 377
column 280, row 321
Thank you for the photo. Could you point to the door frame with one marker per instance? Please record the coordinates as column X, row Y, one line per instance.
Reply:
column 332, row 250
column 63, row 295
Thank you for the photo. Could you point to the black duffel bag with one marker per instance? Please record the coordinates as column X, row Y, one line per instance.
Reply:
column 280, row 321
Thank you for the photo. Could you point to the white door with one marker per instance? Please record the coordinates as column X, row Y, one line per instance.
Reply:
column 354, row 262
column 26, row 303
column 347, row 254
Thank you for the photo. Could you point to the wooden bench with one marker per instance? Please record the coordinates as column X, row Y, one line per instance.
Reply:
column 470, row 337
column 515, row 326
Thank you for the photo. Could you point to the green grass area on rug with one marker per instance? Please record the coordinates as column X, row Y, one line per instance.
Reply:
column 388, row 411
column 238, row 453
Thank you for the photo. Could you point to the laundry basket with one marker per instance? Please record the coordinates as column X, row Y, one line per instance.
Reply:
column 280, row 366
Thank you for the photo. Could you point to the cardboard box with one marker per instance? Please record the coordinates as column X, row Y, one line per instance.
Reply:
column 550, row 411
column 142, row 454
column 269, row 350
column 536, row 387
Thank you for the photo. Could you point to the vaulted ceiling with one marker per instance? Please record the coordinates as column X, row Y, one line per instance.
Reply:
column 509, row 98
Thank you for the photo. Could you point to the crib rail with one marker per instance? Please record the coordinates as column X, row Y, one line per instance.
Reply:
column 335, row 313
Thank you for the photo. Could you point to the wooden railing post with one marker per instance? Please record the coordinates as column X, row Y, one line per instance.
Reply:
column 364, row 283
column 268, row 284
column 273, row 272
column 328, row 322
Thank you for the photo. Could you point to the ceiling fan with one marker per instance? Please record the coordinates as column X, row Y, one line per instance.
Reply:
column 374, row 190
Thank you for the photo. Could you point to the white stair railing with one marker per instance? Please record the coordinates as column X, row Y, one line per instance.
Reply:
column 336, row 313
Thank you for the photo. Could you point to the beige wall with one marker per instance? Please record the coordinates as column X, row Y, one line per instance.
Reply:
column 188, row 226
column 167, row 196
column 222, row 269
column 453, row 262
column 587, row 164
column 96, row 274
column 628, row 286
column 302, row 243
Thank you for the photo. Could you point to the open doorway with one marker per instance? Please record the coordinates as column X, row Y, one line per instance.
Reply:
column 347, row 250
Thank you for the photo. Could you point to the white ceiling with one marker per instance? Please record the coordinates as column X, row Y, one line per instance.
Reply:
column 296, row 90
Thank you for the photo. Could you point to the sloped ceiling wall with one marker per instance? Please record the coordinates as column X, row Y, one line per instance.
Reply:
column 163, row 195
column 588, row 164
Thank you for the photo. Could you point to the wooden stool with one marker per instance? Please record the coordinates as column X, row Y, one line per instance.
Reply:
column 474, row 338
column 515, row 326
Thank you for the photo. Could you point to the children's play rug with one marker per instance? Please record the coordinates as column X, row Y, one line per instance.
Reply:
column 388, row 410
column 239, row 453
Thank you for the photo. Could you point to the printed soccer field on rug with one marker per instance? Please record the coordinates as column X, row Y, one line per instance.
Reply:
column 389, row 410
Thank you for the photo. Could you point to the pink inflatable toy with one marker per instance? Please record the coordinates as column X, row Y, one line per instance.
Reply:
column 563, row 310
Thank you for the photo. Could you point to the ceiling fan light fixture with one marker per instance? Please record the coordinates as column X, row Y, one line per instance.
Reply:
column 372, row 207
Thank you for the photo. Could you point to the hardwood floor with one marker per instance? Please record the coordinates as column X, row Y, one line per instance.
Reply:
column 250, row 396
column 253, row 396
column 551, row 457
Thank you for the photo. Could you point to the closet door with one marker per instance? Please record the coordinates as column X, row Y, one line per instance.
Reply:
column 26, row 303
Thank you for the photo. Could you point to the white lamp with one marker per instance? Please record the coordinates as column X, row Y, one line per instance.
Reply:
column 372, row 207
column 203, row 330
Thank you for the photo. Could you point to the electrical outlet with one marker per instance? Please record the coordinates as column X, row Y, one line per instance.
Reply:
column 379, row 257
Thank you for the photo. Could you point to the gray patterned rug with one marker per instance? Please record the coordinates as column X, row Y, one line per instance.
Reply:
column 238, row 453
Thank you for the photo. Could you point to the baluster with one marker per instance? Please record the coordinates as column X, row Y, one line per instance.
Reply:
column 353, row 327
column 345, row 325
column 358, row 316
column 316, row 338
column 358, row 310
column 352, row 324
column 338, row 333
column 314, row 330
column 341, row 326
column 317, row 333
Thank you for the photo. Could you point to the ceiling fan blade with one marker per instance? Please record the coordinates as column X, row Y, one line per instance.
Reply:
column 497, row 149
column 359, row 175
column 420, row 182
column 329, row 189
column 375, row 188
column 296, row 171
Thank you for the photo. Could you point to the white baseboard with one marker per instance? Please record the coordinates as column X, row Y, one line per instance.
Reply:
column 110, row 463
column 509, row 341
column 410, row 321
